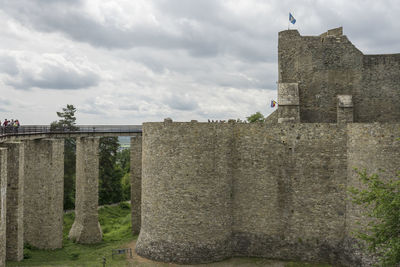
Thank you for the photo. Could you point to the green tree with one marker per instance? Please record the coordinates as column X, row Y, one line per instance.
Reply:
column 381, row 201
column 110, row 188
column 256, row 117
column 126, row 186
column 123, row 161
column 67, row 122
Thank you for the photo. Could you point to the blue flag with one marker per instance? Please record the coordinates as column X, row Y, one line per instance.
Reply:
column 291, row 18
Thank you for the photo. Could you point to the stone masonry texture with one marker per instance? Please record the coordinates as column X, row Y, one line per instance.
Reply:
column 15, row 201
column 214, row 190
column 43, row 193
column 276, row 190
column 3, row 205
column 327, row 66
column 86, row 228
column 136, row 182
column 375, row 148
column 186, row 193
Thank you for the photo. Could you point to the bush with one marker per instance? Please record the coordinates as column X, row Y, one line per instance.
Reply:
column 382, row 202
column 124, row 205
column 27, row 253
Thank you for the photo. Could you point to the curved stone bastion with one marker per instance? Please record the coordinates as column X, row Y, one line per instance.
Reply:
column 217, row 190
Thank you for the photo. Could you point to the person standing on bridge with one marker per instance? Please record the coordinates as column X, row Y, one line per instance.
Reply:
column 15, row 126
column 5, row 124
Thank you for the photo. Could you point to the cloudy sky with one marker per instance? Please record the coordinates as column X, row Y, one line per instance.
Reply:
column 126, row 62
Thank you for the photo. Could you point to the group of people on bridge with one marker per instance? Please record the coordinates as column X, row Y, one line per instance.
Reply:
column 9, row 126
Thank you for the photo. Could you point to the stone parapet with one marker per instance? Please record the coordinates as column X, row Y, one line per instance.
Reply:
column 44, row 190
column 86, row 228
column 136, row 182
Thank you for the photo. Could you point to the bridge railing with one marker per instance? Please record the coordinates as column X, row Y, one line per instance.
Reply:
column 45, row 129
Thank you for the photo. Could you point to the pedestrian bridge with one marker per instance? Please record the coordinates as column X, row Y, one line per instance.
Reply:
column 29, row 132
column 32, row 185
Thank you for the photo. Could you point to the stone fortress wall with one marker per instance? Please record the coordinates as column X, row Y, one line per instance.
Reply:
column 277, row 189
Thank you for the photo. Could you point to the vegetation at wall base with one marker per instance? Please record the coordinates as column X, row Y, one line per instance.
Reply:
column 116, row 224
column 381, row 200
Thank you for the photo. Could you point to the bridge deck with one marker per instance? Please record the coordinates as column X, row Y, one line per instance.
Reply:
column 44, row 131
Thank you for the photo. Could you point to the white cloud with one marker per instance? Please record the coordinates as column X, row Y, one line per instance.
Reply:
column 48, row 71
column 122, row 61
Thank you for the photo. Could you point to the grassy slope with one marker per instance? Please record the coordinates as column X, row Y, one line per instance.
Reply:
column 116, row 225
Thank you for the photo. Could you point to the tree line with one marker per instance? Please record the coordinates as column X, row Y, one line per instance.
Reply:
column 114, row 164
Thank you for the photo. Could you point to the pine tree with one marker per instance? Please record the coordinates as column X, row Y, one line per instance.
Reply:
column 67, row 122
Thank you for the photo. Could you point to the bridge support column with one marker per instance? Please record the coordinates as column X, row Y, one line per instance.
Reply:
column 86, row 228
column 15, row 201
column 3, row 203
column 43, row 193
column 136, row 182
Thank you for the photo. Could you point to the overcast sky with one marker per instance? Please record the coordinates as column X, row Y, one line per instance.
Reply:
column 127, row 62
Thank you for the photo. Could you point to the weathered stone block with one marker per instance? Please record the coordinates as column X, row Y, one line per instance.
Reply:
column 288, row 94
column 43, row 193
column 345, row 113
column 86, row 228
column 136, row 182
column 345, row 101
column 333, row 32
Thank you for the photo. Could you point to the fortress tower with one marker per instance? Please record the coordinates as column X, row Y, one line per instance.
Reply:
column 278, row 189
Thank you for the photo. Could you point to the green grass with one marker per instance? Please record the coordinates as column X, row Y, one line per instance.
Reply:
column 115, row 222
column 116, row 225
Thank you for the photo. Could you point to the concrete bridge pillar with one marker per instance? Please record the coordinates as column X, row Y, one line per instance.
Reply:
column 86, row 228
column 136, row 182
column 15, row 201
column 3, row 207
column 43, row 193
